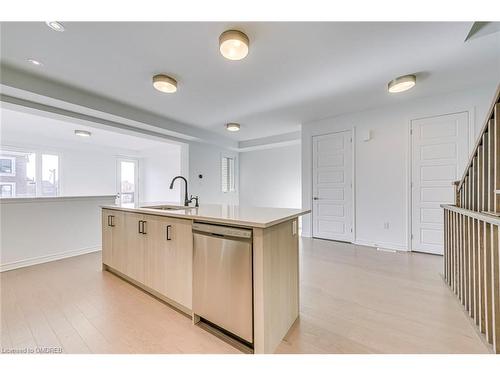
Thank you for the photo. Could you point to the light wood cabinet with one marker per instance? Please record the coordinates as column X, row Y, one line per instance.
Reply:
column 179, row 263
column 169, row 258
column 113, row 231
column 107, row 238
column 134, row 246
column 154, row 251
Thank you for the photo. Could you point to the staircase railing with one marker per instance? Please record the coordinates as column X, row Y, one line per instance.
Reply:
column 472, row 232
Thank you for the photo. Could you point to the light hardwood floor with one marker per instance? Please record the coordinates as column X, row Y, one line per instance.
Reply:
column 353, row 299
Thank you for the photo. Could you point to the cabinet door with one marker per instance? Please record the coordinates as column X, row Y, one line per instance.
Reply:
column 113, row 230
column 169, row 253
column 107, row 237
column 134, row 246
column 157, row 248
column 179, row 267
column 119, row 251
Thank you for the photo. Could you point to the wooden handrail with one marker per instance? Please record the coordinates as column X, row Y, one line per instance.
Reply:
column 487, row 217
column 489, row 115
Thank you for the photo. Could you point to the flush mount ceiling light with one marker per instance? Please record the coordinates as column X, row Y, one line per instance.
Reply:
column 83, row 133
column 402, row 83
column 233, row 45
column 34, row 62
column 233, row 127
column 164, row 83
column 54, row 25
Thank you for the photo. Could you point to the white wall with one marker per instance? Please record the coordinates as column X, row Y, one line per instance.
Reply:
column 381, row 164
column 205, row 159
column 44, row 229
column 271, row 177
column 87, row 173
column 157, row 168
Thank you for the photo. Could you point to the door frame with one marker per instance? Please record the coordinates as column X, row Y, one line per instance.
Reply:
column 409, row 188
column 353, row 171
column 119, row 159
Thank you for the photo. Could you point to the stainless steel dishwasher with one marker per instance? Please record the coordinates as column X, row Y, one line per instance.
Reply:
column 222, row 278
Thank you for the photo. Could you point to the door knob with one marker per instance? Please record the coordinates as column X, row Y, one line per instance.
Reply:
column 315, row 198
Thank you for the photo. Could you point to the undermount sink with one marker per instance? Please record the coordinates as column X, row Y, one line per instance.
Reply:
column 168, row 207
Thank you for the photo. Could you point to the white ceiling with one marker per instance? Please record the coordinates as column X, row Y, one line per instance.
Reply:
column 30, row 129
column 294, row 73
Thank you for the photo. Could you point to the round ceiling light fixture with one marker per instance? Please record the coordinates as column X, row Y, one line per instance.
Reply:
column 83, row 133
column 34, row 62
column 164, row 83
column 233, row 127
column 54, row 25
column 233, row 44
column 402, row 83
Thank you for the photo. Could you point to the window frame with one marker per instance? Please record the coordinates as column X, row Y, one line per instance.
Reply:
column 12, row 186
column 13, row 166
column 38, row 167
column 233, row 188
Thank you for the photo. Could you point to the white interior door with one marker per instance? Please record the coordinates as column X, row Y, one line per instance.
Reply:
column 439, row 155
column 332, row 186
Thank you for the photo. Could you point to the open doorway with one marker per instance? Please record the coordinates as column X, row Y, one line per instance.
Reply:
column 127, row 180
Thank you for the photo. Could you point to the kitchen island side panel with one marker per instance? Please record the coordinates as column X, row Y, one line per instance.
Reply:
column 276, row 284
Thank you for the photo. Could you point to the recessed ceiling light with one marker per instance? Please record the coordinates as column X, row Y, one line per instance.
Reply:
column 34, row 62
column 83, row 133
column 402, row 83
column 233, row 44
column 233, row 127
column 54, row 25
column 164, row 83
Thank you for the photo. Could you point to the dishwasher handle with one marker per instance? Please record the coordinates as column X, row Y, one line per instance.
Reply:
column 222, row 231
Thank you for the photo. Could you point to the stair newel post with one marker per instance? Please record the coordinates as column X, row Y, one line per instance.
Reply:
column 457, row 193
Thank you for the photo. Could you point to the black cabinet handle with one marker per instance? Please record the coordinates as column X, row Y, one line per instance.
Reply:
column 140, row 226
column 109, row 222
column 112, row 220
column 144, row 227
column 169, row 232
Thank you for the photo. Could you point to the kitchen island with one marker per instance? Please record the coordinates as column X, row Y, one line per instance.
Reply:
column 165, row 249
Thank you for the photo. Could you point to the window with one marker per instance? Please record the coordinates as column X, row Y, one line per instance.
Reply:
column 7, row 166
column 7, row 189
column 227, row 174
column 28, row 174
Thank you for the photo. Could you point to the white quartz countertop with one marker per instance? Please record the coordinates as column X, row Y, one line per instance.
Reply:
column 257, row 217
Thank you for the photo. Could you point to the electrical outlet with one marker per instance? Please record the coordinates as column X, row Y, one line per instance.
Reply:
column 386, row 225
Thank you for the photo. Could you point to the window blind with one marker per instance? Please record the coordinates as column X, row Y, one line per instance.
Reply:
column 227, row 174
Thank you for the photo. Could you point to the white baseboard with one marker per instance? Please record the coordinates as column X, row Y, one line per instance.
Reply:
column 381, row 244
column 47, row 258
column 305, row 233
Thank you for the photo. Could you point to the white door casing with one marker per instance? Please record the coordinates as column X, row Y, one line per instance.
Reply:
column 332, row 186
column 439, row 154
